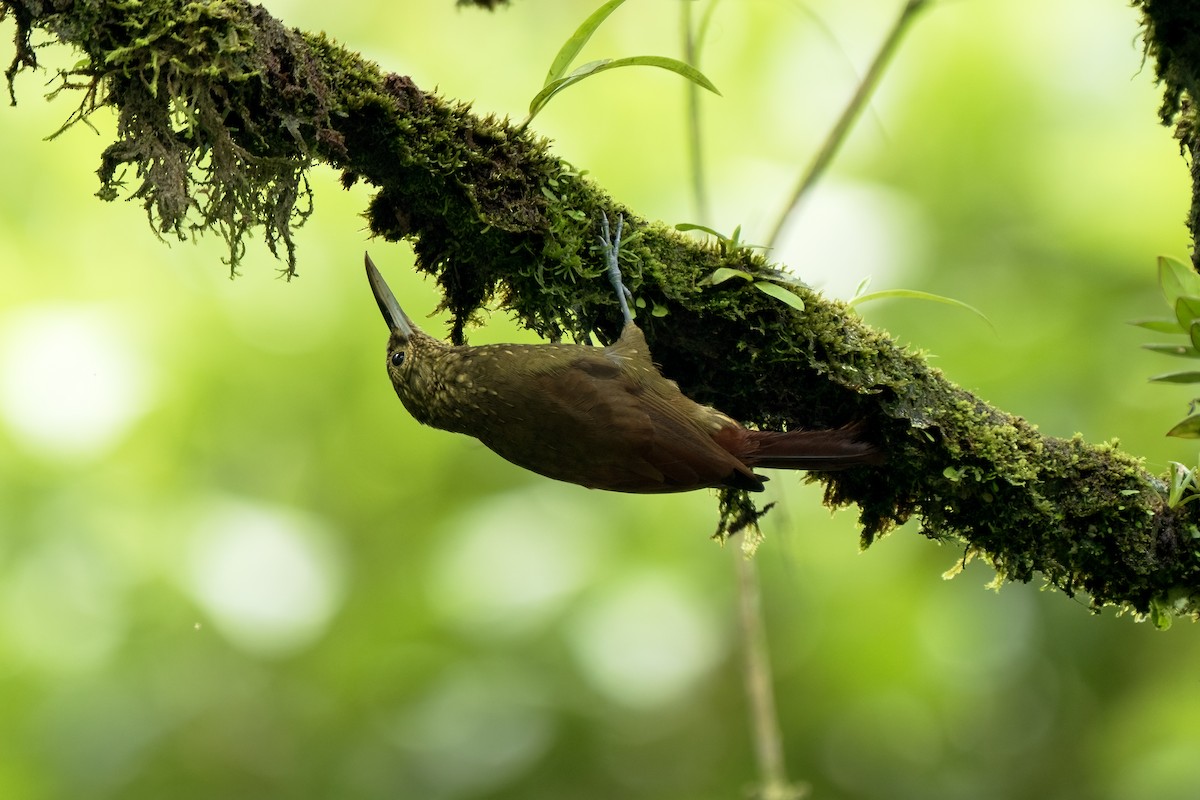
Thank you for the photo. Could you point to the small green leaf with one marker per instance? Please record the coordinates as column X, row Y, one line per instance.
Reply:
column 1177, row 280
column 1160, row 617
column 1177, row 377
column 1187, row 429
column 1194, row 335
column 728, row 244
column 603, row 65
column 787, row 279
column 1182, row 479
column 571, row 47
column 722, row 274
column 1158, row 325
column 780, row 293
column 554, row 87
column 692, row 226
column 1173, row 350
column 914, row 294
column 1187, row 311
column 671, row 64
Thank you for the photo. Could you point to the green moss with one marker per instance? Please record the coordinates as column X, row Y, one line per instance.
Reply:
column 201, row 121
column 221, row 110
column 1172, row 41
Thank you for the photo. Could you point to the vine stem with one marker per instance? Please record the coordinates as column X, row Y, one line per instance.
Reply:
column 760, row 691
column 695, row 144
column 841, row 128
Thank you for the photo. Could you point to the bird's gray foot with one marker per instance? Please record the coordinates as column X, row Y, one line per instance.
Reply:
column 611, row 244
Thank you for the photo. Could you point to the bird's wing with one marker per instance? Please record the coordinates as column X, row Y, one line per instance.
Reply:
column 642, row 434
column 683, row 446
column 574, row 422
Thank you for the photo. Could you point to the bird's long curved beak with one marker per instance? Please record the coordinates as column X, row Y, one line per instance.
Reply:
column 397, row 320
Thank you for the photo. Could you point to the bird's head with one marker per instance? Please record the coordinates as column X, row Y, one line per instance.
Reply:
column 411, row 353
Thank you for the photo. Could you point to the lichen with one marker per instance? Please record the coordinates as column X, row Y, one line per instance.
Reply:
column 202, row 117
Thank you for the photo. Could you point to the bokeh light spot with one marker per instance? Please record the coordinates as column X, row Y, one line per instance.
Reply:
column 826, row 248
column 474, row 730
column 646, row 642
column 514, row 562
column 270, row 578
column 71, row 381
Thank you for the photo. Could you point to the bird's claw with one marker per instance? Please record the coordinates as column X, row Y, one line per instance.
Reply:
column 611, row 244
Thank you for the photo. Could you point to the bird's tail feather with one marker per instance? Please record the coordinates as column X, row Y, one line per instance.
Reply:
column 813, row 450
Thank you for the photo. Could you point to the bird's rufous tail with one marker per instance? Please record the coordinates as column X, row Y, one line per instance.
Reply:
column 813, row 450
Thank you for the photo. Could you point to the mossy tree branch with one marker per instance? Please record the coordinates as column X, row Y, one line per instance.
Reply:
column 221, row 109
column 1172, row 36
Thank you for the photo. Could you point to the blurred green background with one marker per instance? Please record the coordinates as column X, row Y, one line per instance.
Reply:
column 231, row 566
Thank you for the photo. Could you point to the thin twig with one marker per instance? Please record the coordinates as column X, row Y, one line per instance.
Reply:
column 691, row 55
column 837, row 135
column 760, row 692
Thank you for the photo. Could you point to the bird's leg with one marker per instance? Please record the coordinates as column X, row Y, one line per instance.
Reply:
column 612, row 245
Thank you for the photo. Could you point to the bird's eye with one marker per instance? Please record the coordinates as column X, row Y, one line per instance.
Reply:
column 397, row 358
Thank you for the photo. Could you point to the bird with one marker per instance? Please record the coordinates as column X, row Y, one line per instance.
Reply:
column 600, row 417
